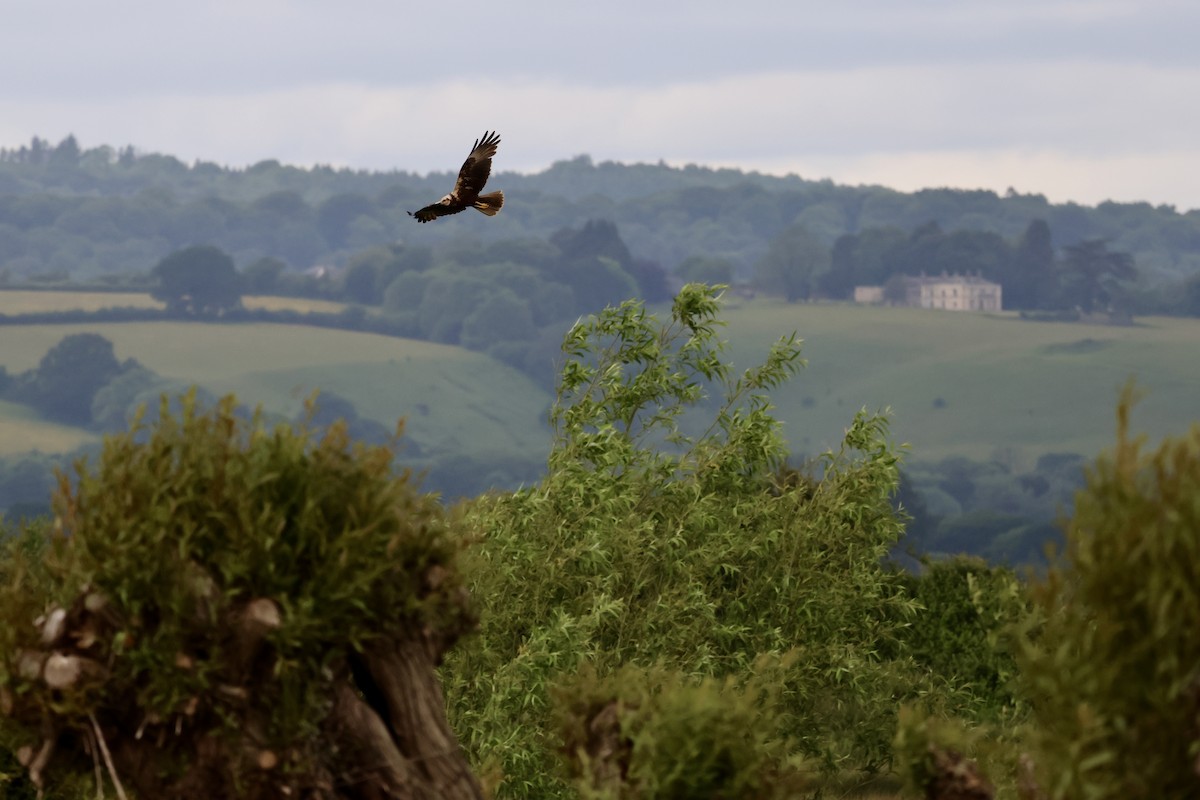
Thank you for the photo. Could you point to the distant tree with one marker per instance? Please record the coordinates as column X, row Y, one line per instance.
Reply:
column 1094, row 276
column 369, row 272
column 920, row 253
column 286, row 204
column 651, row 280
column 596, row 263
column 262, row 276
column 69, row 376
column 531, row 251
column 597, row 237
column 198, row 280
column 66, row 153
column 705, row 269
column 501, row 317
column 793, row 261
column 449, row 299
column 336, row 216
column 115, row 404
column 407, row 291
column 26, row 481
column 598, row 282
column 360, row 282
column 974, row 251
column 840, row 280
column 1191, row 296
column 868, row 258
column 1032, row 280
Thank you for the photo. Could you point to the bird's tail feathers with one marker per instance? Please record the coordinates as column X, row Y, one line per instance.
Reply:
column 490, row 203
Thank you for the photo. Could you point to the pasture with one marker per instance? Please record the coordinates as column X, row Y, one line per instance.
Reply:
column 979, row 385
column 453, row 399
column 22, row 431
column 19, row 301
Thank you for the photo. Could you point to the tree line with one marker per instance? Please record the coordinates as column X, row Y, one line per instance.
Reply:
column 68, row 213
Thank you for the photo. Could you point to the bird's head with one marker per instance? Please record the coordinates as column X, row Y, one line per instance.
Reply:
column 447, row 200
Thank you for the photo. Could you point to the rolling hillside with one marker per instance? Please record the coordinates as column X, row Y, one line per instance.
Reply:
column 958, row 384
column 454, row 400
column 973, row 384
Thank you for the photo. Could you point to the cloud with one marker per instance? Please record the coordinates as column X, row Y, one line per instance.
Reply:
column 1159, row 178
column 863, row 90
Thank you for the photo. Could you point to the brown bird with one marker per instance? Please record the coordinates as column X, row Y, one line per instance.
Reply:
column 471, row 179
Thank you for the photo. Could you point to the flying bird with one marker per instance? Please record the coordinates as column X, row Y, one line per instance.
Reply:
column 471, row 179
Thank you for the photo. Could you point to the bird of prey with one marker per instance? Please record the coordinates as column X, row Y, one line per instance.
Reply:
column 471, row 179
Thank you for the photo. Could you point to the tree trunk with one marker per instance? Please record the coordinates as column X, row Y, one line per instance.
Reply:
column 403, row 674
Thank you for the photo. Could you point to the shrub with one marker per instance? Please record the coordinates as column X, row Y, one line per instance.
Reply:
column 656, row 733
column 230, row 608
column 1114, row 678
column 646, row 545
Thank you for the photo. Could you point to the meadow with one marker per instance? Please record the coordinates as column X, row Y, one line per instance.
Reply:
column 20, row 301
column 977, row 385
column 454, row 400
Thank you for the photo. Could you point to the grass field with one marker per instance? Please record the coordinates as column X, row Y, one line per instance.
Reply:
column 26, row 302
column 453, row 399
column 968, row 384
column 973, row 384
column 21, row 432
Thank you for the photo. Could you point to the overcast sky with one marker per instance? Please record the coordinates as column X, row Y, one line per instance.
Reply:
column 1080, row 100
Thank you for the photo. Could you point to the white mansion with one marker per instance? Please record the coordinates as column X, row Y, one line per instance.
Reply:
column 952, row 292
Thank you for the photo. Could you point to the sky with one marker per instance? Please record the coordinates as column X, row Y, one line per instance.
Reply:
column 1080, row 100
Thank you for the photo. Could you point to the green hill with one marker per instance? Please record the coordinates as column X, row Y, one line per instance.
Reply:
column 21, row 431
column 974, row 384
column 454, row 400
column 958, row 384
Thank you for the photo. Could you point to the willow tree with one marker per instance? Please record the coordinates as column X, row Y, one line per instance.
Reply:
column 226, row 610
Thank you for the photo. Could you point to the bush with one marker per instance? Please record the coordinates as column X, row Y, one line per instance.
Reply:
column 962, row 632
column 1114, row 678
column 230, row 607
column 647, row 546
column 655, row 733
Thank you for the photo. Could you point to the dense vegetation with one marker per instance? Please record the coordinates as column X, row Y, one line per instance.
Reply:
column 572, row 240
column 670, row 612
column 110, row 214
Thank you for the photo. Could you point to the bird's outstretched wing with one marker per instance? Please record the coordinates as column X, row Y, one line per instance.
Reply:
column 477, row 168
column 435, row 210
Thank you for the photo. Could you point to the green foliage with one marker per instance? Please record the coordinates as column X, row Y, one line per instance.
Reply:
column 792, row 263
column 1191, row 296
column 933, row 750
column 69, row 376
column 662, row 538
column 178, row 527
column 1095, row 278
column 962, row 631
column 262, row 276
column 706, row 269
column 1113, row 677
column 656, row 733
column 200, row 279
column 502, row 317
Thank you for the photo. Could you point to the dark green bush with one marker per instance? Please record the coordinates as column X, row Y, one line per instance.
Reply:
column 656, row 733
column 962, row 632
